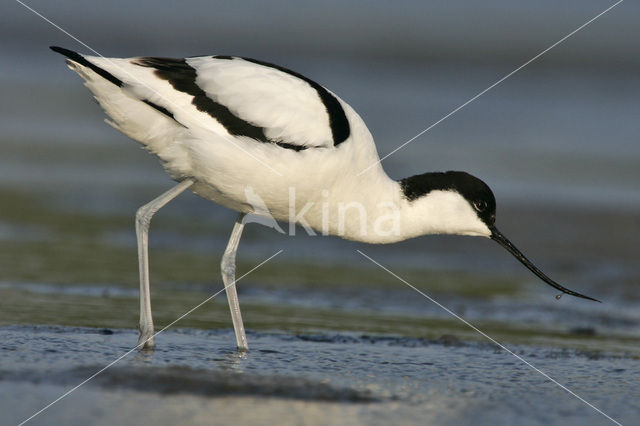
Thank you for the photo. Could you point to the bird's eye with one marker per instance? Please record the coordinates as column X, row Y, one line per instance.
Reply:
column 480, row 205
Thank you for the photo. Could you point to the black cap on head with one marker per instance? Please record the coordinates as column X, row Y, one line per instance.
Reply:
column 470, row 187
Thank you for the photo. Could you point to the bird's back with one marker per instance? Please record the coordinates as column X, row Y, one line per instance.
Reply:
column 222, row 120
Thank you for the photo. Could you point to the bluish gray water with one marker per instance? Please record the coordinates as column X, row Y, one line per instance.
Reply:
column 362, row 378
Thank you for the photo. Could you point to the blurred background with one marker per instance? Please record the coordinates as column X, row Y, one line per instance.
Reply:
column 558, row 143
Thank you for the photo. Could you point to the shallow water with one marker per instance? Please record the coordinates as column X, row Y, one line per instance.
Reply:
column 347, row 376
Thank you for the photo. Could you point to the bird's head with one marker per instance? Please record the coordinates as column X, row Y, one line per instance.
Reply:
column 459, row 203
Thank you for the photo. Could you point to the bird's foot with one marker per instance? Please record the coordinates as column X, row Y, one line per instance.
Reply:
column 145, row 339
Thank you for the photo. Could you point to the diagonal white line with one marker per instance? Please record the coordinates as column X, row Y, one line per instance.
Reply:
column 492, row 86
column 67, row 393
column 139, row 81
column 449, row 311
column 58, row 27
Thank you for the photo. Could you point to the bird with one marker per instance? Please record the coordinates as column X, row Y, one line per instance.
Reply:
column 260, row 138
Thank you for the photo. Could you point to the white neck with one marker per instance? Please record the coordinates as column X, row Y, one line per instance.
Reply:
column 373, row 209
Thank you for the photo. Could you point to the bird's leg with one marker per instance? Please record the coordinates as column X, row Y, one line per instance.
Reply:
column 143, row 219
column 228, row 268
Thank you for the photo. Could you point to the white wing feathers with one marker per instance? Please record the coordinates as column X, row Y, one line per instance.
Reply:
column 288, row 108
column 230, row 97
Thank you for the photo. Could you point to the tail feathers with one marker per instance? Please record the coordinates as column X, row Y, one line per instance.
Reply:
column 79, row 59
column 135, row 117
column 142, row 120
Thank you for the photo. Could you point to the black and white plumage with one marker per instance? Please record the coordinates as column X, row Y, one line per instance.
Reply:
column 226, row 127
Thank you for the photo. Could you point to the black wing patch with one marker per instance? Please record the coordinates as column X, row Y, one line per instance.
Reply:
column 76, row 57
column 340, row 129
column 182, row 77
column 161, row 109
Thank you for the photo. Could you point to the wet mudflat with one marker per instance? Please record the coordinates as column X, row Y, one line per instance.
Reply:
column 196, row 376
